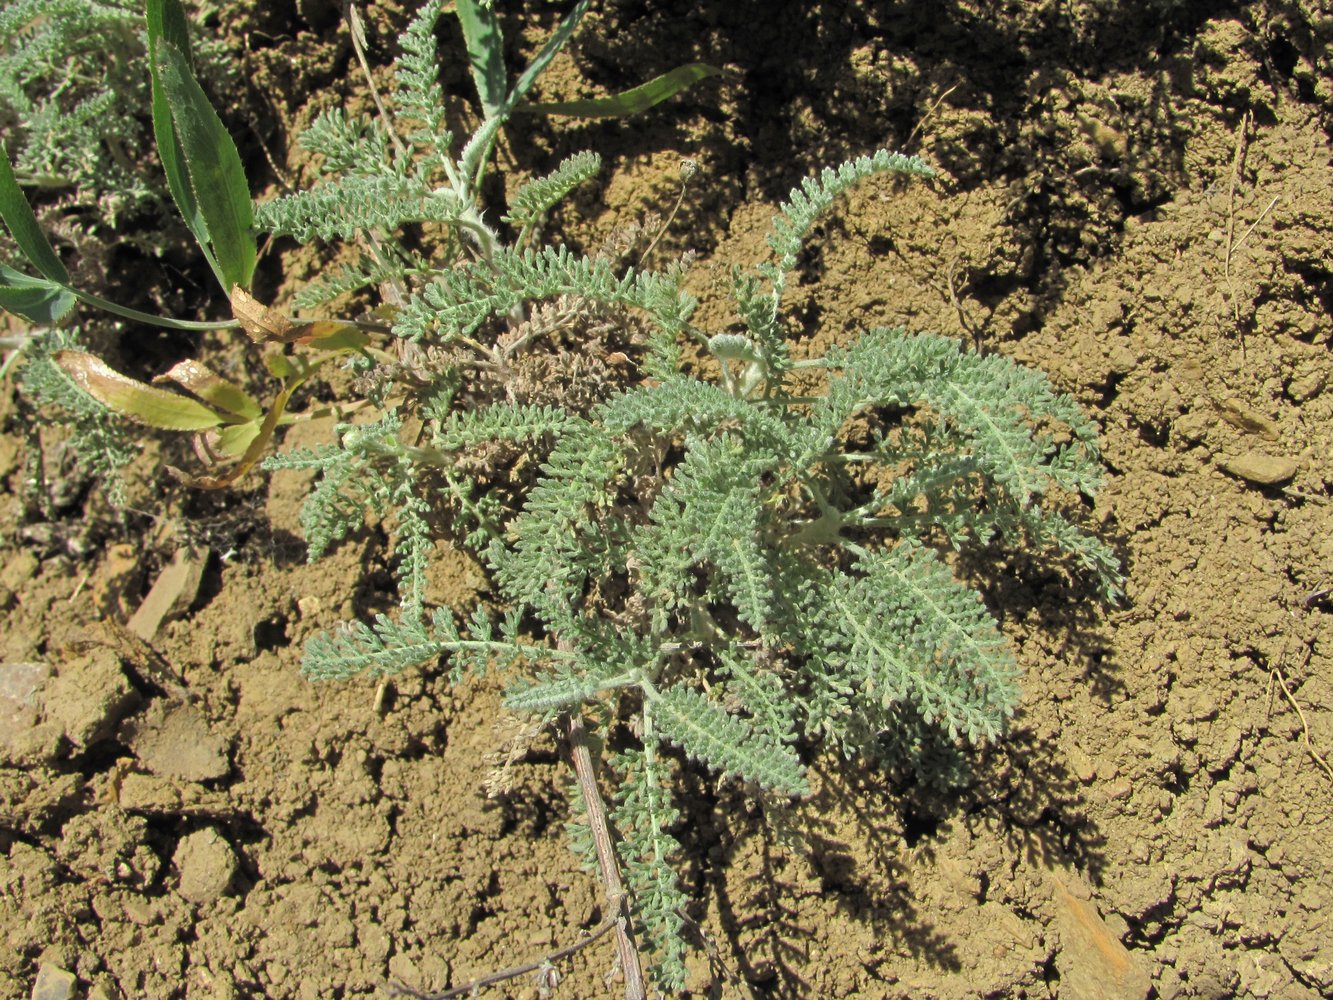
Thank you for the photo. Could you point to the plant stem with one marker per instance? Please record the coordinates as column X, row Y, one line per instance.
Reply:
column 616, row 897
column 490, row 979
column 149, row 318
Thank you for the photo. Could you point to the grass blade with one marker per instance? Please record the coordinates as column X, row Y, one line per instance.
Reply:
column 485, row 52
column 166, row 23
column 22, row 224
column 212, row 388
column 213, row 167
column 553, row 45
column 144, row 403
column 629, row 102
column 35, row 299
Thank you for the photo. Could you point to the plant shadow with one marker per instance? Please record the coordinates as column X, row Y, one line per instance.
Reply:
column 863, row 842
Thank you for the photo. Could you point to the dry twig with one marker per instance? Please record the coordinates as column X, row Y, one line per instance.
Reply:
column 930, row 113
column 616, row 897
column 1275, row 674
column 491, row 978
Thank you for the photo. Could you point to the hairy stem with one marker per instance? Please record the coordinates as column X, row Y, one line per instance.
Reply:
column 609, row 867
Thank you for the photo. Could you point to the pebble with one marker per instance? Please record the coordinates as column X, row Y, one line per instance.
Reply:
column 20, row 684
column 1259, row 468
column 53, row 983
column 1119, row 789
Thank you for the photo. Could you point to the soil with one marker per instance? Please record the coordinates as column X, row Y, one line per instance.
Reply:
column 1133, row 197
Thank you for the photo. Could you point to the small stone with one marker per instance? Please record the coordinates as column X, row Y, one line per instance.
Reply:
column 148, row 793
column 20, row 684
column 207, row 865
column 1260, row 469
column 174, row 591
column 53, row 983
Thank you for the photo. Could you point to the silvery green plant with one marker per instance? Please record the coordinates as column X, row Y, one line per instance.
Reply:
column 731, row 556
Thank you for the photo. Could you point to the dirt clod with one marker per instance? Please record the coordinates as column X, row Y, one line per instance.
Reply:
column 1092, row 962
column 174, row 740
column 88, row 697
column 207, row 865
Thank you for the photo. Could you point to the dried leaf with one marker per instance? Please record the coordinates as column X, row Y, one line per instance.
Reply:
column 144, row 403
column 264, row 325
column 211, row 387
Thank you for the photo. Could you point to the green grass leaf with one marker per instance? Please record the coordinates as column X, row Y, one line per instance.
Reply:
column 632, row 101
column 212, row 388
column 35, row 299
column 22, row 224
column 485, row 53
column 143, row 403
column 213, row 166
column 166, row 23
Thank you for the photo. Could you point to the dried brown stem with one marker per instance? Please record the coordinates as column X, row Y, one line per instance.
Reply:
column 1275, row 674
column 491, row 978
column 357, row 29
column 608, row 866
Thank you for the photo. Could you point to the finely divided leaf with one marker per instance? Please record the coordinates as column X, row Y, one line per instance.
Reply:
column 904, row 629
column 709, row 514
column 535, row 198
column 726, row 743
column 807, row 202
column 643, row 813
